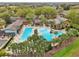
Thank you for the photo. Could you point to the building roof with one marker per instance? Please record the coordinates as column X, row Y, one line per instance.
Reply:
column 36, row 21
column 1, row 33
column 15, row 25
column 59, row 19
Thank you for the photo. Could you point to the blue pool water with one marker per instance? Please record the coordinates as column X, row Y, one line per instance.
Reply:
column 26, row 34
column 45, row 34
column 58, row 34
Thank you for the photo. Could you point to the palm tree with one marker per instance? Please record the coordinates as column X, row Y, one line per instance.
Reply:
column 35, row 46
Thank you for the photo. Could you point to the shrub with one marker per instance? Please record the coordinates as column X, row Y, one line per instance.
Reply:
column 76, row 26
column 73, row 15
column 73, row 32
column 34, row 46
column 64, row 36
column 3, row 53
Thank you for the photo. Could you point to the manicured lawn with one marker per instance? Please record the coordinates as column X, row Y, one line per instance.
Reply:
column 71, row 50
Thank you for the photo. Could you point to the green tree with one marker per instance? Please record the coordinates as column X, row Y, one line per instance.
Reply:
column 38, row 45
column 2, row 23
column 20, row 12
column 34, row 46
column 73, row 16
column 3, row 53
column 47, row 11
column 64, row 37
column 6, row 17
column 38, row 11
column 24, row 11
column 65, row 6
column 73, row 32
column 3, row 9
column 43, row 19
column 30, row 16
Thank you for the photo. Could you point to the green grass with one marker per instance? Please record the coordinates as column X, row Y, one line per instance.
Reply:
column 71, row 50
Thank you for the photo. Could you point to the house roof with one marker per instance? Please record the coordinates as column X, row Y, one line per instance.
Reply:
column 14, row 26
column 59, row 19
column 1, row 33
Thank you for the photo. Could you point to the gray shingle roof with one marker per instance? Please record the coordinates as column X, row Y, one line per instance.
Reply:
column 14, row 26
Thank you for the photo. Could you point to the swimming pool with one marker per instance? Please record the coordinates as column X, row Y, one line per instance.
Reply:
column 26, row 34
column 45, row 33
column 58, row 34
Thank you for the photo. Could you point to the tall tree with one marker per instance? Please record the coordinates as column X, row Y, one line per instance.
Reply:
column 2, row 23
